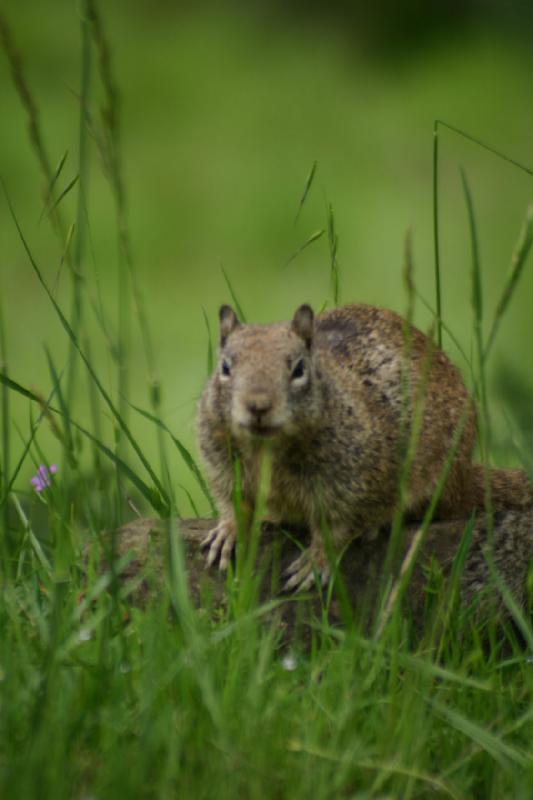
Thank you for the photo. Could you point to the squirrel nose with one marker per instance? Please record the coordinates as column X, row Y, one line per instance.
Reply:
column 259, row 405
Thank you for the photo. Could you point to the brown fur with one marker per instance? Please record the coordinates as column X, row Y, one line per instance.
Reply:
column 338, row 433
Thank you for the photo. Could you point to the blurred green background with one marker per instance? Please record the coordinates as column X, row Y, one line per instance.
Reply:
column 224, row 109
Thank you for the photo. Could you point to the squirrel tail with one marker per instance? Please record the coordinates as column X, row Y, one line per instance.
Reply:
column 510, row 488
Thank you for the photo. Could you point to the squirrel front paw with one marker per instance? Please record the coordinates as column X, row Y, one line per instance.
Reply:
column 220, row 541
column 301, row 573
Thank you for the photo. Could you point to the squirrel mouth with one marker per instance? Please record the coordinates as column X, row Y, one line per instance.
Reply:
column 262, row 431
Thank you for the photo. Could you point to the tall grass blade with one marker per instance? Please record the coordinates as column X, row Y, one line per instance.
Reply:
column 238, row 308
column 16, row 387
column 34, row 541
column 517, row 614
column 26, row 98
column 5, row 455
column 445, row 327
column 489, row 742
column 96, row 413
column 334, row 265
column 65, row 254
column 44, row 404
column 110, row 114
column 63, row 194
column 81, row 213
column 308, row 183
column 247, row 576
column 109, row 144
column 408, row 277
column 189, row 497
column 56, row 382
column 67, row 327
column 128, row 280
column 151, row 495
column 313, row 238
column 392, row 767
column 57, row 172
column 412, row 411
column 154, row 496
column 476, row 282
column 210, row 354
column 33, row 120
column 477, row 309
column 518, row 260
column 412, row 407
column 485, row 146
column 438, row 296
column 421, row 663
column 188, row 459
column 454, row 582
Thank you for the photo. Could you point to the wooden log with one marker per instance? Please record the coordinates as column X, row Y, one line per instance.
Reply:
column 361, row 567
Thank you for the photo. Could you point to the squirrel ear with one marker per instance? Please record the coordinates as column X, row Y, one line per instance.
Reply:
column 303, row 324
column 228, row 322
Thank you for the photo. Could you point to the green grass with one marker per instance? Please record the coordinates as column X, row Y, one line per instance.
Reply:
column 101, row 698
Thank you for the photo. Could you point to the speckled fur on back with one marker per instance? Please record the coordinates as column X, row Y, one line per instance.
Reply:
column 333, row 399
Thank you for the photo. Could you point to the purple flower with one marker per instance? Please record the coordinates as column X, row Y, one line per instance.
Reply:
column 43, row 478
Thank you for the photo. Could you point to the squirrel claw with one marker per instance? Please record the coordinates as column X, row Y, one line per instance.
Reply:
column 221, row 541
column 303, row 571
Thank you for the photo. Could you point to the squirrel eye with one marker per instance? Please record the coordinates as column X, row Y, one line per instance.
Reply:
column 226, row 370
column 299, row 369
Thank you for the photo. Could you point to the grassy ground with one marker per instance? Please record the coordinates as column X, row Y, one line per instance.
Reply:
column 221, row 122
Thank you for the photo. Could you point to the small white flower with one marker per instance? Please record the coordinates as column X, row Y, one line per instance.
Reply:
column 289, row 662
column 84, row 634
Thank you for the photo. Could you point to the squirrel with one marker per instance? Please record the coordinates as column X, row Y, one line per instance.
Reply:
column 334, row 398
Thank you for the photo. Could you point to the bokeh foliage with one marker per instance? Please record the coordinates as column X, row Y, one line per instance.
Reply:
column 223, row 111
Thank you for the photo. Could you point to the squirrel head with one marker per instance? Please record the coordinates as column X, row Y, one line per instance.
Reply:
column 265, row 380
